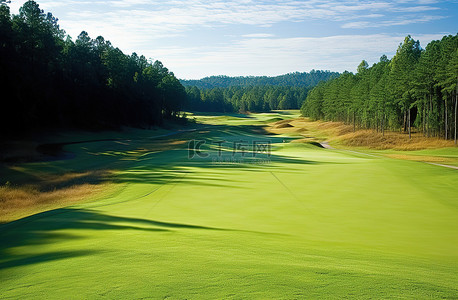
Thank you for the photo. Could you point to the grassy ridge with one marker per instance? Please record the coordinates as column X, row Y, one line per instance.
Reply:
column 311, row 223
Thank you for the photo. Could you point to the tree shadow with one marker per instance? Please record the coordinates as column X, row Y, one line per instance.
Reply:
column 170, row 165
column 52, row 227
column 158, row 166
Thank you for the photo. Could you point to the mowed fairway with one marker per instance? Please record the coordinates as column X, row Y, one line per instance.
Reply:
column 304, row 222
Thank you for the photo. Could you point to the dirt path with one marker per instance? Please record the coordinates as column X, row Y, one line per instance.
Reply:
column 326, row 145
column 441, row 165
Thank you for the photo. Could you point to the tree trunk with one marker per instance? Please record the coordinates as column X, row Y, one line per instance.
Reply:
column 410, row 135
column 354, row 122
column 446, row 117
column 456, row 105
column 405, row 120
column 429, row 114
column 424, row 119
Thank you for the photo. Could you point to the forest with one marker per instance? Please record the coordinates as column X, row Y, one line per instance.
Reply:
column 302, row 79
column 53, row 82
column 253, row 93
column 416, row 90
column 244, row 99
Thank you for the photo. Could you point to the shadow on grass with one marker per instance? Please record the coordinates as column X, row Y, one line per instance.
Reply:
column 11, row 261
column 158, row 167
column 105, row 160
column 61, row 225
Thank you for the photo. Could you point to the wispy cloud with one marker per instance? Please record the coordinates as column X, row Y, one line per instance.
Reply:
column 248, row 37
column 257, row 35
column 249, row 57
column 262, row 13
column 397, row 22
column 420, row 8
column 133, row 22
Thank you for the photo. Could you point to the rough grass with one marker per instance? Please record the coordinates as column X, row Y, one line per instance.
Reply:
column 34, row 184
column 284, row 125
column 343, row 135
column 424, row 158
column 20, row 201
column 392, row 140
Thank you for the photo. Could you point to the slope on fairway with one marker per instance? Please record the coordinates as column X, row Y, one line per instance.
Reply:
column 310, row 222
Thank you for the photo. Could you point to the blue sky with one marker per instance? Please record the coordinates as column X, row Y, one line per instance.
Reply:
column 195, row 38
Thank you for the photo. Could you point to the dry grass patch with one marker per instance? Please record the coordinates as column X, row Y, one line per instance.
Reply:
column 44, row 180
column 423, row 158
column 72, row 178
column 20, row 201
column 340, row 133
column 336, row 127
column 287, row 121
column 283, row 125
column 44, row 191
column 392, row 140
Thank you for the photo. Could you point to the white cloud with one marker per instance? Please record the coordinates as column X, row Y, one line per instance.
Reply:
column 149, row 26
column 273, row 56
column 257, row 35
column 260, row 13
column 397, row 22
column 420, row 8
column 130, row 24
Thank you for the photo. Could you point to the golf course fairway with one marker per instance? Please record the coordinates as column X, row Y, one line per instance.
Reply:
column 224, row 220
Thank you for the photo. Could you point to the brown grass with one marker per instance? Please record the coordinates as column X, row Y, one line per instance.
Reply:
column 20, row 201
column 42, row 190
column 44, row 180
column 342, row 134
column 284, row 125
column 424, row 158
column 392, row 140
column 287, row 121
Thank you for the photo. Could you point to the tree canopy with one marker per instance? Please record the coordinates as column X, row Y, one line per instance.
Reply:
column 244, row 99
column 296, row 79
column 51, row 81
column 255, row 94
column 416, row 88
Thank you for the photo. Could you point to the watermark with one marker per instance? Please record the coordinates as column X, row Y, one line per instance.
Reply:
column 231, row 152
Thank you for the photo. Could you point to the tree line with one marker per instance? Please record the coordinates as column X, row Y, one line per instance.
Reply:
column 252, row 93
column 50, row 81
column 245, row 99
column 417, row 88
column 298, row 79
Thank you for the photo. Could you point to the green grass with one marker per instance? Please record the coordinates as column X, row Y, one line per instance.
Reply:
column 312, row 223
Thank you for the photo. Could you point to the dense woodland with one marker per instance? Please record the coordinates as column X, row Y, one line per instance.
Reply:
column 50, row 81
column 291, row 79
column 417, row 88
column 255, row 94
column 243, row 99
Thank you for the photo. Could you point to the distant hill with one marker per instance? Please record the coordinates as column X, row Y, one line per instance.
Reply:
column 296, row 79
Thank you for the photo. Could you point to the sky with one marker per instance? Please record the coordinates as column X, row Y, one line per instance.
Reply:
column 195, row 38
